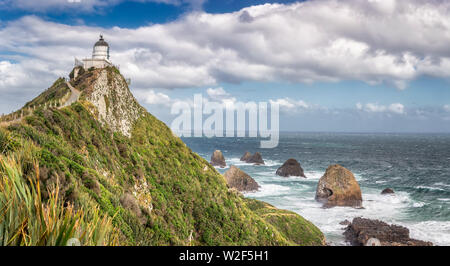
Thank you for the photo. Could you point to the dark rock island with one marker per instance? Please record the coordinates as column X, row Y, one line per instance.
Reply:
column 217, row 159
column 290, row 168
column 387, row 191
column 254, row 159
column 362, row 232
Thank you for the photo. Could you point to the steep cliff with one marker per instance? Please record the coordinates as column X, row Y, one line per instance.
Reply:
column 106, row 152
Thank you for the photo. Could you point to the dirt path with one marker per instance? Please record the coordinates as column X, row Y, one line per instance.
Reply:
column 74, row 95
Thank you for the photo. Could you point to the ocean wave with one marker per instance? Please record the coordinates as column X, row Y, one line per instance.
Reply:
column 442, row 199
column 418, row 204
column 437, row 232
column 441, row 184
column 237, row 161
column 314, row 174
column 269, row 190
column 429, row 188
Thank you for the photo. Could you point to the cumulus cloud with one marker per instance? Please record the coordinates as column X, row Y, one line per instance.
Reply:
column 447, row 107
column 219, row 94
column 390, row 42
column 154, row 98
column 291, row 105
column 395, row 108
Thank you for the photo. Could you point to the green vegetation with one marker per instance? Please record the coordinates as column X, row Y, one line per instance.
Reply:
column 292, row 226
column 152, row 187
column 27, row 221
column 52, row 97
column 56, row 92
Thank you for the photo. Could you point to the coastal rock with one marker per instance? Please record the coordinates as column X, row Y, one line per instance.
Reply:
column 246, row 156
column 362, row 232
column 256, row 159
column 345, row 222
column 387, row 191
column 338, row 187
column 217, row 159
column 115, row 106
column 238, row 179
column 290, row 168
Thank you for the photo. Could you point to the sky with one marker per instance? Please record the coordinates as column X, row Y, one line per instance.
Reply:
column 331, row 65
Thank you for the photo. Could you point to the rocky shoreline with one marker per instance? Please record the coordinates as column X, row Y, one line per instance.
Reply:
column 337, row 187
column 368, row 232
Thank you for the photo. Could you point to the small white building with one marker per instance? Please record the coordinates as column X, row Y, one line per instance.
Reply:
column 100, row 56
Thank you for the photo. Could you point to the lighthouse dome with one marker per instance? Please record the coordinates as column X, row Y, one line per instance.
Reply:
column 101, row 49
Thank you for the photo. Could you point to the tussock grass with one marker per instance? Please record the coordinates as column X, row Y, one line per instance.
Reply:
column 25, row 220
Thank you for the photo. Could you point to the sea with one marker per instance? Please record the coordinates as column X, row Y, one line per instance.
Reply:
column 416, row 166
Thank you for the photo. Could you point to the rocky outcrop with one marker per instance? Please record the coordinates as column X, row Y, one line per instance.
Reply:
column 254, row 159
column 238, row 179
column 290, row 168
column 246, row 156
column 387, row 191
column 338, row 187
column 363, row 232
column 115, row 106
column 217, row 159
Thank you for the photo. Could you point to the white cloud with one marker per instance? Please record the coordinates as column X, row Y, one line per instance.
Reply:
column 287, row 104
column 328, row 40
column 395, row 108
column 219, row 94
column 447, row 107
column 154, row 98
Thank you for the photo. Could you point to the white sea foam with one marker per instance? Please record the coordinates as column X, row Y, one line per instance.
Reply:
column 237, row 161
column 319, row 174
column 441, row 184
column 267, row 190
column 437, row 232
column 297, row 194
column 442, row 199
column 429, row 188
column 418, row 204
column 314, row 174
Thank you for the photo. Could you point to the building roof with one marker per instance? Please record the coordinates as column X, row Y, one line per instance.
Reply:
column 101, row 42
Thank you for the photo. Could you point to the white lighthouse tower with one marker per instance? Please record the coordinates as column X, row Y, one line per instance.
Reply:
column 100, row 56
column 101, row 49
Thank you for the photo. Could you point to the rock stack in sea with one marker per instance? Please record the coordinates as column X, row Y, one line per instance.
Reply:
column 387, row 191
column 238, row 179
column 217, row 159
column 246, row 156
column 363, row 232
column 254, row 159
column 290, row 168
column 338, row 187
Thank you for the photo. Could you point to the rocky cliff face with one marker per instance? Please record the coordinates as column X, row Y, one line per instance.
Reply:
column 115, row 105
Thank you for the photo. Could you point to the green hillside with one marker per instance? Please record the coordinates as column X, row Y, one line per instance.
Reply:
column 147, row 188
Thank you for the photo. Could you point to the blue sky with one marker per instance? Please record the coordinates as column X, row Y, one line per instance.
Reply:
column 356, row 65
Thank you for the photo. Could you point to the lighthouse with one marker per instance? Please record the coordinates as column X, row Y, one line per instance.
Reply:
column 100, row 56
column 101, row 49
